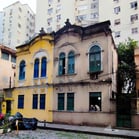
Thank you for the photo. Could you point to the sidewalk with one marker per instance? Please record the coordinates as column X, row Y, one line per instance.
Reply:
column 134, row 134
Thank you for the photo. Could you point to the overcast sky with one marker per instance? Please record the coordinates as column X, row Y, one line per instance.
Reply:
column 5, row 3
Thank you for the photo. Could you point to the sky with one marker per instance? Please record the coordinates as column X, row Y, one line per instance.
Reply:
column 5, row 3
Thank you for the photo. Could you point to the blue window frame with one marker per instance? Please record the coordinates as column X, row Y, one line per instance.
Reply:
column 61, row 69
column 35, row 101
column 71, row 63
column 43, row 67
column 95, row 59
column 70, row 101
column 20, row 101
column 61, row 97
column 42, row 101
column 22, row 70
column 36, row 68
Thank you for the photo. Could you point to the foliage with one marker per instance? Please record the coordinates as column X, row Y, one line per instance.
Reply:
column 126, row 66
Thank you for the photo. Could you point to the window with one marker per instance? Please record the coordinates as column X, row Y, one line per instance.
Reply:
column 35, row 101
column 13, row 59
column 50, row 11
column 134, row 17
column 43, row 67
column 42, row 101
column 117, row 22
column 22, row 70
column 95, row 59
column 134, row 5
column 61, row 98
column 5, row 56
column 20, row 101
column 117, row 34
column 36, row 68
column 70, row 101
column 94, row 15
column 117, row 10
column 134, row 30
column 71, row 62
column 58, row 17
column 95, row 101
column 61, row 70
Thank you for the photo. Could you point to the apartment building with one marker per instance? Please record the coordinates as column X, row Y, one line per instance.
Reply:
column 52, row 14
column 123, row 15
column 1, row 25
column 18, row 24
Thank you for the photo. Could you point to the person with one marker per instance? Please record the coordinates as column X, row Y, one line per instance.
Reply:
column 92, row 108
column 97, row 108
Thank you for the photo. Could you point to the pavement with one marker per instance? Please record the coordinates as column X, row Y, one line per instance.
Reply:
column 101, row 131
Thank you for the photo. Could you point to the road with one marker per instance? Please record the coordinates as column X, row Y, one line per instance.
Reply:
column 50, row 134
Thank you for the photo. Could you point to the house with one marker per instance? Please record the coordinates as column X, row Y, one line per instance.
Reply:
column 32, row 94
column 84, row 78
column 7, row 73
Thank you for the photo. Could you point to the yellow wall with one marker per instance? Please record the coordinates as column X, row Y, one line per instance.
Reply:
column 37, row 48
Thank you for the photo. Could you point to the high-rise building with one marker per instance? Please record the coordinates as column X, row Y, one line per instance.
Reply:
column 123, row 15
column 18, row 24
column 52, row 14
column 1, row 25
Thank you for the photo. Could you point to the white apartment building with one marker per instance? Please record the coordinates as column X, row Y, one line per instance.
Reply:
column 52, row 14
column 18, row 24
column 123, row 14
column 124, row 17
column 1, row 25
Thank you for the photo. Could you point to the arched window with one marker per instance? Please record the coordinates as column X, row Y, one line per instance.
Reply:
column 95, row 59
column 71, row 62
column 43, row 67
column 36, row 68
column 22, row 70
column 61, row 69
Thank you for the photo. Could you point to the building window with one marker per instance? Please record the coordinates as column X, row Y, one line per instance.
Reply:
column 61, row 97
column 134, row 17
column 13, row 59
column 117, row 10
column 134, row 5
column 50, row 11
column 5, row 56
column 58, row 17
column 20, row 101
column 117, row 34
column 62, row 60
column 70, row 101
column 42, row 101
column 71, row 63
column 36, row 68
column 35, row 101
column 117, row 22
column 95, row 101
column 43, row 67
column 134, row 30
column 95, row 59
column 22, row 70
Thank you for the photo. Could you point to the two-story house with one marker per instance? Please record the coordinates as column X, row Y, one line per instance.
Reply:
column 85, row 66
column 32, row 95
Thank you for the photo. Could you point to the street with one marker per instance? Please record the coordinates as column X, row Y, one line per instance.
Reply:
column 50, row 134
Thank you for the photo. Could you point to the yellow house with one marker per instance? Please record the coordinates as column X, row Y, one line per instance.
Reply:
column 32, row 95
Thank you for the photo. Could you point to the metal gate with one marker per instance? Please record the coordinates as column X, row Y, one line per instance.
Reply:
column 123, row 110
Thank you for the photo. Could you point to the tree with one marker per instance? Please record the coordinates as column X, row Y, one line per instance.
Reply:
column 126, row 67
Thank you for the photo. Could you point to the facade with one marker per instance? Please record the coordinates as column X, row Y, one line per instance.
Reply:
column 52, row 14
column 123, row 15
column 85, row 65
column 1, row 25
column 7, row 61
column 18, row 24
column 33, row 90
